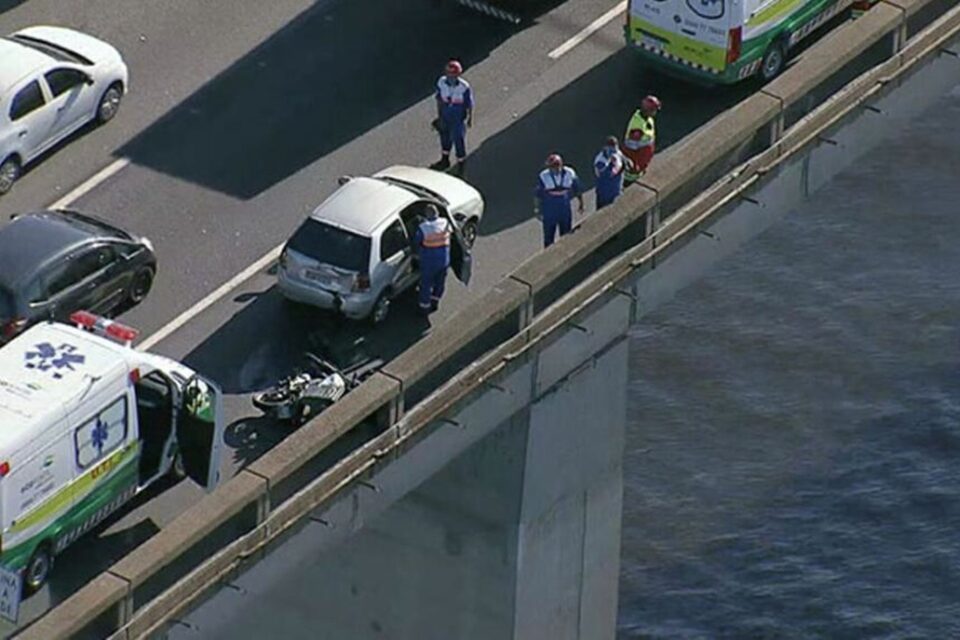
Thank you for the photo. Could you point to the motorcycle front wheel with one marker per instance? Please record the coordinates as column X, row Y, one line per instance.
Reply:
column 275, row 401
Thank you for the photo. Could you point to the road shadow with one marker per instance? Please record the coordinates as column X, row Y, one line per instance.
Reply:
column 6, row 5
column 95, row 551
column 574, row 122
column 266, row 339
column 249, row 438
column 308, row 90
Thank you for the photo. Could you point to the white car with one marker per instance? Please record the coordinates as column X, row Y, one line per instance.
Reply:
column 52, row 82
column 355, row 253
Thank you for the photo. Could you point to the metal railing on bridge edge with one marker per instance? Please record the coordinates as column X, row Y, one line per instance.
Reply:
column 522, row 299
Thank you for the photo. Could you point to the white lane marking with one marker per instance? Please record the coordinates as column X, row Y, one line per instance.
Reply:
column 210, row 299
column 589, row 30
column 91, row 183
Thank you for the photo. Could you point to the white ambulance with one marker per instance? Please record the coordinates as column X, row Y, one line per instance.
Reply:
column 86, row 423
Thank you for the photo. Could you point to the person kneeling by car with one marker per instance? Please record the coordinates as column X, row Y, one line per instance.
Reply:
column 433, row 247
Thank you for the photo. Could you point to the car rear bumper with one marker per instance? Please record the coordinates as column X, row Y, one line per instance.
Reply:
column 353, row 306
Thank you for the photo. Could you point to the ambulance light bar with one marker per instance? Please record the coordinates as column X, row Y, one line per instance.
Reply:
column 104, row 327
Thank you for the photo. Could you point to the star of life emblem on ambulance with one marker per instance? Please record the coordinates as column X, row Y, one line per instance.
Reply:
column 57, row 360
column 98, row 436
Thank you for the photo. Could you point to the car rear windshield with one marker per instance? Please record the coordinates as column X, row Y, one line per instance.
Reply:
column 55, row 51
column 94, row 226
column 331, row 245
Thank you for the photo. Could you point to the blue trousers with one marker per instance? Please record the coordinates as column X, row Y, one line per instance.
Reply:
column 605, row 197
column 432, row 283
column 554, row 221
column 454, row 133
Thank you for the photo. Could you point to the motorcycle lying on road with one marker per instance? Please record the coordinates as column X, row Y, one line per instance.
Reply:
column 309, row 390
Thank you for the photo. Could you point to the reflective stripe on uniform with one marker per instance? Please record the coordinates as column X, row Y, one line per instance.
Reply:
column 455, row 94
column 436, row 234
column 557, row 187
column 641, row 131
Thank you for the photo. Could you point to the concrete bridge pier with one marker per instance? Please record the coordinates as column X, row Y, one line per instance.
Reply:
column 517, row 538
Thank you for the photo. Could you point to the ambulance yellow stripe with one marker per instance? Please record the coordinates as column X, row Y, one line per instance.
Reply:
column 774, row 12
column 683, row 49
column 77, row 489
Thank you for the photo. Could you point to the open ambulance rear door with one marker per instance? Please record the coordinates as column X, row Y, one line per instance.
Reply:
column 200, row 430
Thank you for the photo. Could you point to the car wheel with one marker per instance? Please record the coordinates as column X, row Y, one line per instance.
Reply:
column 109, row 103
column 381, row 309
column 9, row 173
column 38, row 569
column 140, row 287
column 469, row 231
column 773, row 60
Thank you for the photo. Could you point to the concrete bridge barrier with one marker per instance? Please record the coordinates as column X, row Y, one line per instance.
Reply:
column 702, row 199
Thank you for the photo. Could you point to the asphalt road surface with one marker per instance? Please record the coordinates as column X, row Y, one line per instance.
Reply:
column 239, row 120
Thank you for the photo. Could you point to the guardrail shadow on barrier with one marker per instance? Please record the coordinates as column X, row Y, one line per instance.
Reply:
column 248, row 502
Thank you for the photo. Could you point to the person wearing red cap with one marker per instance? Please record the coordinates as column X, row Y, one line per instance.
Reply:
column 557, row 186
column 638, row 144
column 454, row 114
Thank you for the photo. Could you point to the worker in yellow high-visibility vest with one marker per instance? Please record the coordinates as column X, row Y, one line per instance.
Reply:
column 638, row 143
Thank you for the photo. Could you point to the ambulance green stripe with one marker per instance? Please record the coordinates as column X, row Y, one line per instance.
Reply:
column 117, row 488
column 784, row 17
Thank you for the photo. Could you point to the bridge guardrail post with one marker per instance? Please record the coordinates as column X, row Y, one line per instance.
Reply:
column 125, row 609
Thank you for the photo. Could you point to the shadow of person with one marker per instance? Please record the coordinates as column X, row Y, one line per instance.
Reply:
column 250, row 438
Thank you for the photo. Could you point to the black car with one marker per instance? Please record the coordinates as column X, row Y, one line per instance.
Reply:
column 53, row 263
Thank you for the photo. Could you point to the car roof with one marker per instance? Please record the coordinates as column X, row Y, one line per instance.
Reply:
column 38, row 385
column 18, row 62
column 29, row 241
column 363, row 204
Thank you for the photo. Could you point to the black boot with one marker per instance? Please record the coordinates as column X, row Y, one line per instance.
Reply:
column 442, row 164
column 461, row 167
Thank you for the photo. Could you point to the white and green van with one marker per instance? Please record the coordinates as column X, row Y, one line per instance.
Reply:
column 86, row 423
column 724, row 41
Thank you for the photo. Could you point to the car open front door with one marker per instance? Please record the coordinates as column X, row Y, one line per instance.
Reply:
column 200, row 428
column 461, row 260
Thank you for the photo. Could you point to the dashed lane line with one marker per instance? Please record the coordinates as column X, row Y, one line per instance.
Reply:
column 210, row 299
column 589, row 30
column 91, row 183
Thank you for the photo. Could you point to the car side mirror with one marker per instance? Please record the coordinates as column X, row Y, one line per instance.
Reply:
column 88, row 80
column 342, row 180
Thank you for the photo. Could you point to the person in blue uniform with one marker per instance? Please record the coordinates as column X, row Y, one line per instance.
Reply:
column 433, row 245
column 454, row 114
column 608, row 167
column 557, row 186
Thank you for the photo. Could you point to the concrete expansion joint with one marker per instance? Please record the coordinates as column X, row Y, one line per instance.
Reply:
column 120, row 577
column 779, row 99
column 265, row 479
column 529, row 286
column 396, row 379
column 651, row 188
column 901, row 8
